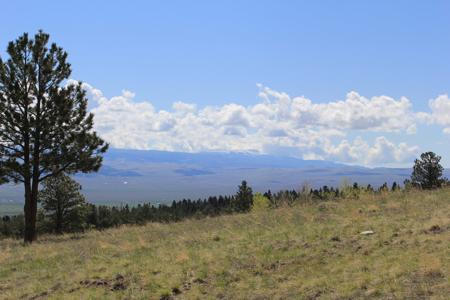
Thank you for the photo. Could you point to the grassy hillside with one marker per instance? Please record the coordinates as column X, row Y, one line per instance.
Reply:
column 310, row 251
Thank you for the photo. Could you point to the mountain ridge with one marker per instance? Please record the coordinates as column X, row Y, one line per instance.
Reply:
column 132, row 176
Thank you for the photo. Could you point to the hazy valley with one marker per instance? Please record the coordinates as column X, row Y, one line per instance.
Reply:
column 134, row 176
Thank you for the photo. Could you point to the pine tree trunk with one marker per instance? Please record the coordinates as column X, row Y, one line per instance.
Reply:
column 30, row 214
column 59, row 219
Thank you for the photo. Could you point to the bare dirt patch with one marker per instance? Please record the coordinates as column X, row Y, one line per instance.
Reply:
column 118, row 283
column 435, row 229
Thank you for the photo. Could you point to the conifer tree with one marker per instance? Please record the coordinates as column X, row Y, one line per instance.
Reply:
column 63, row 203
column 394, row 186
column 45, row 128
column 244, row 197
column 427, row 171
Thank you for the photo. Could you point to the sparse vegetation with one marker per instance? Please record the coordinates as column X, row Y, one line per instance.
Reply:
column 308, row 250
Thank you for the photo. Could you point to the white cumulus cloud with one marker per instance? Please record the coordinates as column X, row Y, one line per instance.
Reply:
column 279, row 124
column 381, row 152
column 440, row 112
column 355, row 112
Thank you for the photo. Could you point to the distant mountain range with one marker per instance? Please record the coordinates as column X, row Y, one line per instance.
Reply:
column 130, row 176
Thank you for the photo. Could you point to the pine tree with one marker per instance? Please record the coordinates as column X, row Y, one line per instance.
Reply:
column 63, row 203
column 384, row 187
column 45, row 128
column 92, row 217
column 427, row 171
column 244, row 197
column 394, row 186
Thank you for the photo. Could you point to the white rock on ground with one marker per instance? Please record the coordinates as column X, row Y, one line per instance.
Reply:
column 367, row 232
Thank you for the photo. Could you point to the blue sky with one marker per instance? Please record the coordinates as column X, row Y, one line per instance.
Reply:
column 211, row 54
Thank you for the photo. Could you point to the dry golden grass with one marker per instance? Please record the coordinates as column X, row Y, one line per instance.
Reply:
column 311, row 251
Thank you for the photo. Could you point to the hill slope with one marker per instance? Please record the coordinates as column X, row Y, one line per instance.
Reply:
column 310, row 251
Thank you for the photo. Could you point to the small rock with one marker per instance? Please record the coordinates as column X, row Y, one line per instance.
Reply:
column 176, row 291
column 367, row 232
column 371, row 293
